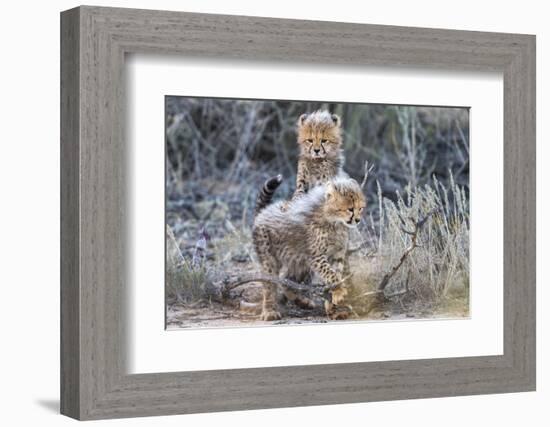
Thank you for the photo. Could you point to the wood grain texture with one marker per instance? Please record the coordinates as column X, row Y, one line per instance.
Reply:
column 70, row 258
column 95, row 234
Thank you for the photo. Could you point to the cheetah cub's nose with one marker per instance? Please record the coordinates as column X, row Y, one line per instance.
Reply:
column 357, row 220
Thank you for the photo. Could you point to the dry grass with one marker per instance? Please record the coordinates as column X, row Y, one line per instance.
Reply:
column 194, row 276
column 187, row 282
column 435, row 270
column 433, row 280
column 219, row 153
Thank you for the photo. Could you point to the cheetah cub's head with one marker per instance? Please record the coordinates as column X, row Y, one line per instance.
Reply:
column 344, row 201
column 319, row 135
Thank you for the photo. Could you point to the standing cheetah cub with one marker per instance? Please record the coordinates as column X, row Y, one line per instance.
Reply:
column 310, row 236
column 321, row 157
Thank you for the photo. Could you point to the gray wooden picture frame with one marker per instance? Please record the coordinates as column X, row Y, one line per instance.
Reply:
column 94, row 41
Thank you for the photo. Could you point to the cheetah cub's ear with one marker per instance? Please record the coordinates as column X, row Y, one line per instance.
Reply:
column 336, row 119
column 302, row 119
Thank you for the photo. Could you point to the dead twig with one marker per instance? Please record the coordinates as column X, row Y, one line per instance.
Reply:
column 414, row 236
column 286, row 283
column 309, row 290
column 336, row 285
column 366, row 175
column 379, row 295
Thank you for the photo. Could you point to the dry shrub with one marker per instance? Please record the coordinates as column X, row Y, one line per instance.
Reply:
column 187, row 282
column 196, row 275
column 439, row 265
column 188, row 278
column 435, row 272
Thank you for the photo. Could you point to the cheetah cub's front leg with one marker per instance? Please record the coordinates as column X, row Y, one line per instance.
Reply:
column 333, row 305
column 338, row 294
column 341, row 266
column 337, row 311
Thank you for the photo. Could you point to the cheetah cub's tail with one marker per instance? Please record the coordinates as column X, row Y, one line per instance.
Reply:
column 265, row 196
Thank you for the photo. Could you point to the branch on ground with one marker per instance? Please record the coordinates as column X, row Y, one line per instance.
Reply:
column 379, row 293
column 285, row 283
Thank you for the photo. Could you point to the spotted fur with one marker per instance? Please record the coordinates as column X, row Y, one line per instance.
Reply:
column 266, row 194
column 321, row 157
column 310, row 236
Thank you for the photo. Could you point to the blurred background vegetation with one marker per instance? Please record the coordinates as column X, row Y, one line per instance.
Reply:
column 220, row 151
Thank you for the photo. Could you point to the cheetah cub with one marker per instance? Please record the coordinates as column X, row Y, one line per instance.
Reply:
column 309, row 237
column 321, row 157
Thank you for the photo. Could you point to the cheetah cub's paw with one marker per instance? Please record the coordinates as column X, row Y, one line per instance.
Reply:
column 337, row 312
column 338, row 294
column 269, row 315
column 342, row 312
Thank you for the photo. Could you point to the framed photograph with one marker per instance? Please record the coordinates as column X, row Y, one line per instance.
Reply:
column 229, row 242
column 262, row 213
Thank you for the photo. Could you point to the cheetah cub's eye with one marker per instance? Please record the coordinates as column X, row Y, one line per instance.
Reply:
column 323, row 141
column 309, row 141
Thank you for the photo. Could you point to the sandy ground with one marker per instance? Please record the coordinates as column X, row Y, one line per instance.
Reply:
column 244, row 313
